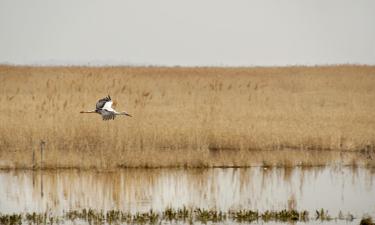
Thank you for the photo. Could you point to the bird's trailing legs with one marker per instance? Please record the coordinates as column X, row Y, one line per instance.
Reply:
column 92, row 111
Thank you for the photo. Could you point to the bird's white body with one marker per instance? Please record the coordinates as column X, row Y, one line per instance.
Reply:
column 108, row 106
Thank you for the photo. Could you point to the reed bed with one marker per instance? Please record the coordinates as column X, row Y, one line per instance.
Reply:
column 183, row 215
column 192, row 117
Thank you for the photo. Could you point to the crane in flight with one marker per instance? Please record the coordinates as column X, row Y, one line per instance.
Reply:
column 104, row 108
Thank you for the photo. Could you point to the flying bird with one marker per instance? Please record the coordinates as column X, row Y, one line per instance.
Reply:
column 104, row 108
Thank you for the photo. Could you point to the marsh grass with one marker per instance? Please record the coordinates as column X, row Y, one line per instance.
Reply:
column 189, row 117
column 366, row 221
column 186, row 215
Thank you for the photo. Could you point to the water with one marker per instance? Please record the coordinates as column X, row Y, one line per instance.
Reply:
column 346, row 189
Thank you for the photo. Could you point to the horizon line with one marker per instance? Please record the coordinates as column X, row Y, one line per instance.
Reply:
column 140, row 65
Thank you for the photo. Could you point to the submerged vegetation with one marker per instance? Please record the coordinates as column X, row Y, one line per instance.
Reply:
column 185, row 215
column 187, row 117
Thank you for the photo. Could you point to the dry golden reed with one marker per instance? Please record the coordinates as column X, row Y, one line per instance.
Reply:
column 185, row 116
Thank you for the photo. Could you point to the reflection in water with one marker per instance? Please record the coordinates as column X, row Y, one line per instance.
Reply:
column 346, row 189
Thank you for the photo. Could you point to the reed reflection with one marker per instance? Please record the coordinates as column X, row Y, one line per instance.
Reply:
column 137, row 190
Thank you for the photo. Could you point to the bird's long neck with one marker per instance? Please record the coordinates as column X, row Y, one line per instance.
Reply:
column 123, row 113
column 91, row 111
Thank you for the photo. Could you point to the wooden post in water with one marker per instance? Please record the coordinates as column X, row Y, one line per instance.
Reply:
column 33, row 147
column 33, row 157
column 42, row 145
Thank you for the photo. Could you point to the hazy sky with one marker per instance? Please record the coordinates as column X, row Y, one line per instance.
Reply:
column 191, row 32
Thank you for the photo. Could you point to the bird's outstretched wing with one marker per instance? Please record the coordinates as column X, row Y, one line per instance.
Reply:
column 107, row 115
column 100, row 104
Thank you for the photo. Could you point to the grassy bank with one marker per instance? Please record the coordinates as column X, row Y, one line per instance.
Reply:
column 185, row 116
column 181, row 216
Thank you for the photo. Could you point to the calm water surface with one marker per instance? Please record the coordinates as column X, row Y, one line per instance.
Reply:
column 345, row 189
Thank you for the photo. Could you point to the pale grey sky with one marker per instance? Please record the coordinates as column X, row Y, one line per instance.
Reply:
column 187, row 33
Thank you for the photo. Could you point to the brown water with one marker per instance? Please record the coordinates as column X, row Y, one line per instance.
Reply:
column 345, row 189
